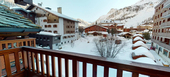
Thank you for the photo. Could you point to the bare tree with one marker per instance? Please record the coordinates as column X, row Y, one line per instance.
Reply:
column 107, row 47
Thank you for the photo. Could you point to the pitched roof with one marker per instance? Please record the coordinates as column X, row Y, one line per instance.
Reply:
column 51, row 11
column 95, row 25
column 15, row 22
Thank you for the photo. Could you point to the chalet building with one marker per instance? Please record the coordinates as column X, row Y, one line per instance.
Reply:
column 47, row 39
column 56, row 22
column 161, row 29
column 96, row 30
column 113, row 24
column 14, row 29
column 26, row 13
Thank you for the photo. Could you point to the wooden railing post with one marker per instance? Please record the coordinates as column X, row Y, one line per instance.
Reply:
column 0, row 46
column 7, row 65
column 0, row 67
column 17, row 61
column 24, row 59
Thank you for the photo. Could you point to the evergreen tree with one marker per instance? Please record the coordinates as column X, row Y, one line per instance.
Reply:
column 108, row 30
column 146, row 35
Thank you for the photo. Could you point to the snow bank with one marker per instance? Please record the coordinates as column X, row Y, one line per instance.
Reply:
column 145, row 60
column 47, row 33
column 143, row 51
column 98, row 32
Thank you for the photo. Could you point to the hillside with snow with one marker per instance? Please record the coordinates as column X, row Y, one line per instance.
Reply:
column 83, row 23
column 140, row 13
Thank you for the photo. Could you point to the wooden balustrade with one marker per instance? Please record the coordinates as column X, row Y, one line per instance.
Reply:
column 32, row 68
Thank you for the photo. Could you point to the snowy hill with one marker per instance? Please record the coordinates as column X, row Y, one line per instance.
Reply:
column 83, row 23
column 140, row 13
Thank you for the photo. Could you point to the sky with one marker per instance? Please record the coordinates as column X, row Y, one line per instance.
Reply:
column 88, row 10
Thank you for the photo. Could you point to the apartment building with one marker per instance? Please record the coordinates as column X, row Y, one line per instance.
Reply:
column 161, row 30
column 56, row 22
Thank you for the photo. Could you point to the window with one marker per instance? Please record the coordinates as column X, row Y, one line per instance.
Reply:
column 165, row 52
column 55, row 32
column 49, row 31
column 48, row 39
column 49, row 25
column 54, row 19
column 54, row 26
column 44, row 20
column 168, row 19
column 163, row 21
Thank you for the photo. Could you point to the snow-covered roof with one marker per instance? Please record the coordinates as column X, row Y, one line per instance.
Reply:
column 95, row 25
column 98, row 32
column 123, row 33
column 143, row 51
column 56, row 13
column 146, row 30
column 138, row 38
column 19, row 8
column 117, row 21
column 140, row 43
column 137, row 35
column 120, row 24
column 47, row 33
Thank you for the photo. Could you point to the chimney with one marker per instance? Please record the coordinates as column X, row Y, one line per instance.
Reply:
column 59, row 10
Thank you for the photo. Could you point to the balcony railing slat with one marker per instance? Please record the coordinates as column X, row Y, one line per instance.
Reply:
column 59, row 67
column 37, row 62
column 75, row 72
column 106, row 71
column 134, row 74
column 47, row 66
column 42, row 64
column 24, row 59
column 84, row 69
column 17, row 62
column 119, row 72
column 7, row 65
column 28, row 60
column 94, row 70
column 66, row 67
column 0, row 46
column 33, row 63
column 6, row 45
column 53, row 66
column 0, row 68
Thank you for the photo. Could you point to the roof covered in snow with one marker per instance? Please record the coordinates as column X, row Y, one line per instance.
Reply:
column 47, row 33
column 98, row 32
column 143, row 51
column 140, row 43
column 53, row 12
column 95, row 25
column 137, row 35
column 138, row 38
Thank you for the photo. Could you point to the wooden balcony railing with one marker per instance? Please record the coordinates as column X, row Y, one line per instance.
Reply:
column 34, row 64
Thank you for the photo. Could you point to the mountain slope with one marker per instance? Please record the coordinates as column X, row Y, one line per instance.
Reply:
column 140, row 13
column 83, row 23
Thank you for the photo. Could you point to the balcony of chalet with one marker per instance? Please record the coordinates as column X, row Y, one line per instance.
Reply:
column 37, row 63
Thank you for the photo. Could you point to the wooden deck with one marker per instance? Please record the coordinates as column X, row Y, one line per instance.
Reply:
column 32, row 68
